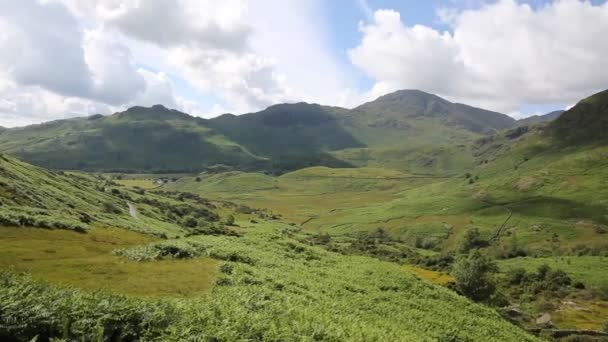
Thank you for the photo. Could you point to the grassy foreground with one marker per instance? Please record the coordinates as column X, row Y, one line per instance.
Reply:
column 271, row 287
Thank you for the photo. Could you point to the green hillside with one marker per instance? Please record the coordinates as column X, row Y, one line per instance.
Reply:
column 587, row 122
column 139, row 139
column 407, row 130
column 227, row 272
column 532, row 198
column 534, row 119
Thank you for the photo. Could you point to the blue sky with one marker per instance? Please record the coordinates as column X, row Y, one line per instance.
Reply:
column 210, row 57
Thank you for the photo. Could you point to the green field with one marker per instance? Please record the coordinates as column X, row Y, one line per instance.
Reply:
column 591, row 270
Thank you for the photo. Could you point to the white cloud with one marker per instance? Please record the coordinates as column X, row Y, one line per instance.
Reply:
column 114, row 75
column 41, row 45
column 499, row 56
column 249, row 54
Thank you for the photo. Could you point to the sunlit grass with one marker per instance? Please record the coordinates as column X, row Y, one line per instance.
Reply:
column 86, row 261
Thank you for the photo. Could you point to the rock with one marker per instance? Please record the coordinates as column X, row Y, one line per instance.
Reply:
column 545, row 319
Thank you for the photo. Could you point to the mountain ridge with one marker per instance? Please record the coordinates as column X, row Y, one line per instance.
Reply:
column 280, row 138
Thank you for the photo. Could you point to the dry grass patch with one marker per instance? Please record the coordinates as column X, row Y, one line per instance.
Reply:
column 85, row 261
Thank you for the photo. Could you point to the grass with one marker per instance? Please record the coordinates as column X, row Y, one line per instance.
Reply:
column 435, row 277
column 86, row 261
column 276, row 288
column 591, row 270
column 591, row 315
column 146, row 184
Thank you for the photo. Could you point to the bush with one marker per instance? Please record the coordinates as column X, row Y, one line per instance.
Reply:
column 197, row 179
column 190, row 222
column 111, row 208
column 473, row 276
column 471, row 240
column 517, row 276
column 230, row 220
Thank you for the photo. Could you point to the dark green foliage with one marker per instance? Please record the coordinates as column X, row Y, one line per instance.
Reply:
column 230, row 220
column 473, row 274
column 471, row 240
column 545, row 279
column 110, row 208
column 320, row 239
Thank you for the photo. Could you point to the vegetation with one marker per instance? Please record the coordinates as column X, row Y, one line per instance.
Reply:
column 274, row 288
column 448, row 234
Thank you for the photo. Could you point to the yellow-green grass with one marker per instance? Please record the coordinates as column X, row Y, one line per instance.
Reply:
column 86, row 261
column 146, row 184
column 590, row 315
column 435, row 277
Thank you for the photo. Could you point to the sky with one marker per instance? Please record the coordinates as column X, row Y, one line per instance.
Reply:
column 67, row 58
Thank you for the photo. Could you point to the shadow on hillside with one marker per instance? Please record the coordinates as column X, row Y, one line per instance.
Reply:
column 558, row 208
column 287, row 130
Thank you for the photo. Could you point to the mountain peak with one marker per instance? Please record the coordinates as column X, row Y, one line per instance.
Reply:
column 156, row 112
column 416, row 104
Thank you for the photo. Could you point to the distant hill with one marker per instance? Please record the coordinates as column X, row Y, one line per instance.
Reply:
column 541, row 118
column 585, row 122
column 407, row 129
column 139, row 139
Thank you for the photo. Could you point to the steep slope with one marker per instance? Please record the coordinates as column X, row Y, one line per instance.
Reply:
column 540, row 118
column 586, row 122
column 34, row 197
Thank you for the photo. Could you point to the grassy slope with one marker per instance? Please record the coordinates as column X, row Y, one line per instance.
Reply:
column 85, row 261
column 32, row 196
column 279, row 288
column 271, row 286
column 547, row 188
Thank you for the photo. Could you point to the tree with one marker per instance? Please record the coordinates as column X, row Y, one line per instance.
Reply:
column 471, row 240
column 473, row 276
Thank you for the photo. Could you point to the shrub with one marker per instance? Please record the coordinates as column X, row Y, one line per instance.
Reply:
column 197, row 179
column 517, row 276
column 473, row 276
column 227, row 268
column 471, row 240
column 111, row 208
column 189, row 222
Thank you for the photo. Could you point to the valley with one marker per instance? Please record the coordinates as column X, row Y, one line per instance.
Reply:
column 409, row 218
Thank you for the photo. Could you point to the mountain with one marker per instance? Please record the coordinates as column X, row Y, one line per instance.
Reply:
column 139, row 139
column 534, row 119
column 586, row 122
column 415, row 104
column 388, row 131
column 414, row 131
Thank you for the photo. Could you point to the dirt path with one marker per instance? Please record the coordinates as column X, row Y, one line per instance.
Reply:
column 132, row 210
